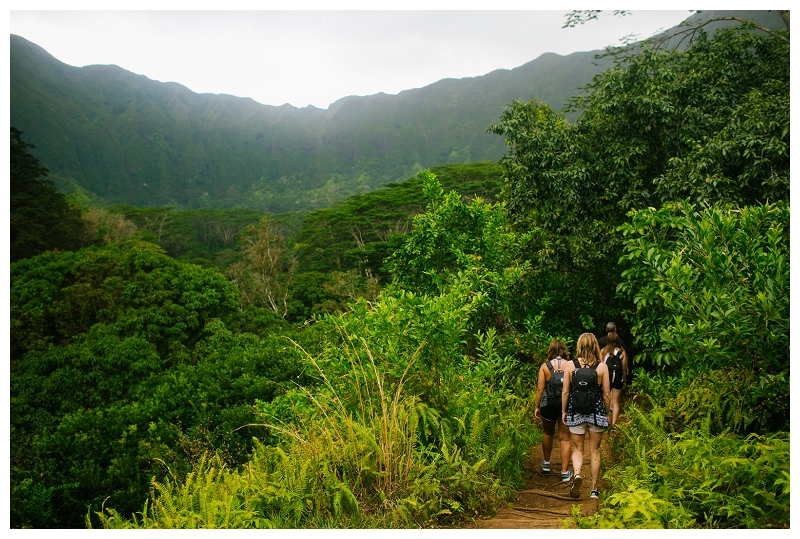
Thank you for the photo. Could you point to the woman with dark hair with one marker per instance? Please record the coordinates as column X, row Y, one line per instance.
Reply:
column 616, row 360
column 586, row 401
column 551, row 375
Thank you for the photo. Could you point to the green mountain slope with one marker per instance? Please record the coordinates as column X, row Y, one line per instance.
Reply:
column 124, row 138
column 128, row 139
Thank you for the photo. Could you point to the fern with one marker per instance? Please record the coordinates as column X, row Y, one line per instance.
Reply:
column 695, row 479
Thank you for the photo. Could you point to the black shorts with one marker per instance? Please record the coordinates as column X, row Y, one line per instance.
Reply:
column 557, row 420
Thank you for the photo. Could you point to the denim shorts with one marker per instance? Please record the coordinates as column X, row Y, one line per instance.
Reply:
column 584, row 427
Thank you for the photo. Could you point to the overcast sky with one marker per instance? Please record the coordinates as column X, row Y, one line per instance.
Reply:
column 312, row 56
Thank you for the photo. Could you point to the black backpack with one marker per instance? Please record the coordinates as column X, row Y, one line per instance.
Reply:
column 550, row 406
column 583, row 390
column 614, row 363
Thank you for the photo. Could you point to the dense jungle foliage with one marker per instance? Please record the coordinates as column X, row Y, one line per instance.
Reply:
column 373, row 364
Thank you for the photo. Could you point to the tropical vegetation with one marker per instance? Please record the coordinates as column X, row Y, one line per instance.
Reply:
column 372, row 364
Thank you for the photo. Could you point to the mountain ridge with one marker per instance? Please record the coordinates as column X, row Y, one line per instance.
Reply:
column 114, row 136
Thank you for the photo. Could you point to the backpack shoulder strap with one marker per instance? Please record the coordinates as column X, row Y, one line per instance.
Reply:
column 560, row 361
column 577, row 366
column 550, row 366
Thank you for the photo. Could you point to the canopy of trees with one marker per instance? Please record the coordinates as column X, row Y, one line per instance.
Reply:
column 41, row 217
column 706, row 124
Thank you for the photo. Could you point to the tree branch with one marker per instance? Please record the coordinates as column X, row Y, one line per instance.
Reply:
column 660, row 41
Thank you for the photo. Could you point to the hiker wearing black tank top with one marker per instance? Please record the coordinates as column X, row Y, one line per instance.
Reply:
column 616, row 376
column 586, row 402
column 557, row 359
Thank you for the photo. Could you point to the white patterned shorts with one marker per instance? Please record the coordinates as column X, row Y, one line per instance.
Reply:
column 584, row 427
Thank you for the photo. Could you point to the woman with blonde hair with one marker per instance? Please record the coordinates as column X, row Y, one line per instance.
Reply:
column 586, row 401
column 548, row 406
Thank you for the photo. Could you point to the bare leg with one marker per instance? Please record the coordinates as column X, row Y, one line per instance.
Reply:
column 563, row 442
column 615, row 399
column 548, row 429
column 577, row 451
column 594, row 449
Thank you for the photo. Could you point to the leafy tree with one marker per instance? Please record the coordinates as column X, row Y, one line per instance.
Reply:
column 207, row 237
column 121, row 366
column 711, row 292
column 309, row 295
column 361, row 231
column 453, row 237
column 649, row 129
column 708, row 124
column 350, row 242
column 265, row 275
column 41, row 217
column 106, row 227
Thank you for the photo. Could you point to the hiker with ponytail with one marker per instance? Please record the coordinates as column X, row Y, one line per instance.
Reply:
column 616, row 359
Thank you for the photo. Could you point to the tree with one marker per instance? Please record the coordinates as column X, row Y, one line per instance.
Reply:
column 41, row 217
column 688, row 28
column 122, row 367
column 265, row 275
column 454, row 237
column 710, row 287
column 708, row 124
column 155, row 222
column 105, row 227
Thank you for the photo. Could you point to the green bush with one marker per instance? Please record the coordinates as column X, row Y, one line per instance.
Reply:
column 121, row 369
column 693, row 479
column 400, row 429
column 711, row 293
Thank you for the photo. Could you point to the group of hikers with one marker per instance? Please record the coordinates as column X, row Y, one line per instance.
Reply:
column 581, row 396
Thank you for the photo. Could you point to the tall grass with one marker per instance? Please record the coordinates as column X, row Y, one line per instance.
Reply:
column 402, row 429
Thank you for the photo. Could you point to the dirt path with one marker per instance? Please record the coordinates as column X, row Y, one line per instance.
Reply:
column 545, row 502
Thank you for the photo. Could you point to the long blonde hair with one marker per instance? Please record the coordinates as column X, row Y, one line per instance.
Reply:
column 588, row 349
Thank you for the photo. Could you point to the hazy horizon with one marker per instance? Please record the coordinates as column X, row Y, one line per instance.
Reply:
column 318, row 57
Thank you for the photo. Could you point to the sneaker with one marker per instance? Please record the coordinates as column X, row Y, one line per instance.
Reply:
column 566, row 476
column 575, row 489
column 545, row 466
column 595, row 493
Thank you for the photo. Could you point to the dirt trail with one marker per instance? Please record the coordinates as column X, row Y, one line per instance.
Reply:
column 545, row 502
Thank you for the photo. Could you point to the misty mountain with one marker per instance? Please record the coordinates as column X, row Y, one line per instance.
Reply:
column 112, row 136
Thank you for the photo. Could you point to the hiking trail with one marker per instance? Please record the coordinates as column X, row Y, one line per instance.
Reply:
column 545, row 501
